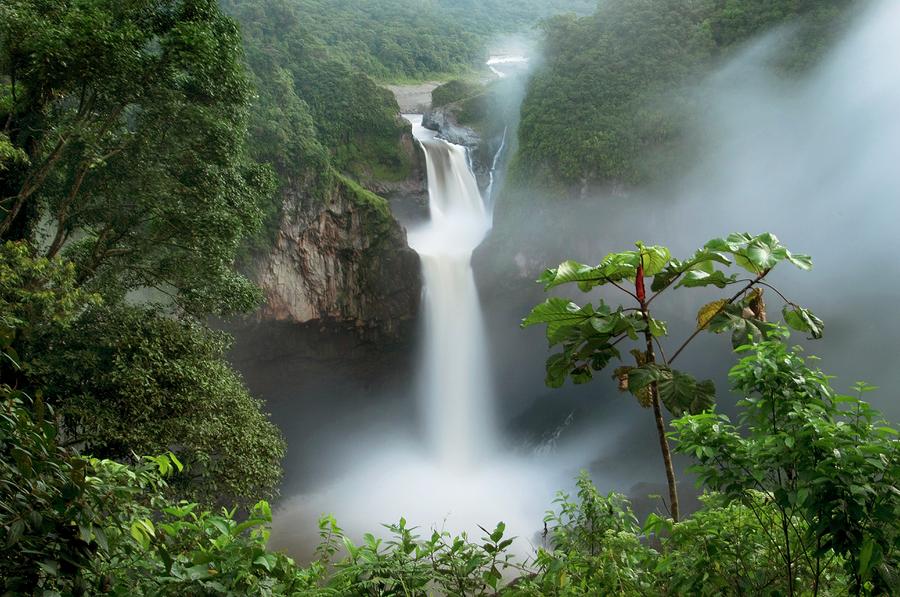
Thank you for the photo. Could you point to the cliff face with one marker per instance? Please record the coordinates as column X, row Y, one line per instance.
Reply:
column 408, row 198
column 342, row 259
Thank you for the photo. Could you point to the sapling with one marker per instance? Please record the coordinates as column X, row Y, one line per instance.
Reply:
column 590, row 335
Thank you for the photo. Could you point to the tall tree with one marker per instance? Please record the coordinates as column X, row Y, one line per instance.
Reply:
column 129, row 122
column 123, row 165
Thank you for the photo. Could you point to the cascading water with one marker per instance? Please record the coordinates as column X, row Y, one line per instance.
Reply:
column 456, row 386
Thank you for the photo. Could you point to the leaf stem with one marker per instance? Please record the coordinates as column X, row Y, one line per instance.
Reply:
column 623, row 289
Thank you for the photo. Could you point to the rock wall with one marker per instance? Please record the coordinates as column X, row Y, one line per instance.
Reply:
column 408, row 198
column 341, row 258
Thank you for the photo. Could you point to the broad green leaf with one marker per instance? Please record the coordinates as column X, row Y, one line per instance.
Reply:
column 267, row 561
column 618, row 323
column 743, row 330
column 200, row 572
column 757, row 254
column 804, row 262
column 641, row 377
column 569, row 272
column 557, row 367
column 703, row 261
column 865, row 556
column 601, row 357
column 557, row 313
column 581, row 375
column 664, row 278
column 176, row 462
column 616, row 267
column 699, row 278
column 803, row 320
column 653, row 258
column 681, row 393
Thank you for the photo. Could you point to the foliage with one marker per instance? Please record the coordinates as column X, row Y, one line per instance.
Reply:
column 593, row 548
column 825, row 464
column 589, row 335
column 130, row 380
column 36, row 290
column 454, row 91
column 73, row 526
column 126, row 191
column 11, row 156
column 58, row 512
column 612, row 94
column 406, row 39
column 132, row 116
column 317, row 121
column 494, row 110
column 406, row 564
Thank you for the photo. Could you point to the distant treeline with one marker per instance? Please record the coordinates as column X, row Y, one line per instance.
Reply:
column 391, row 39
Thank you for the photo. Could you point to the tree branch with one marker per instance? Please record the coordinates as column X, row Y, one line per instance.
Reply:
column 720, row 309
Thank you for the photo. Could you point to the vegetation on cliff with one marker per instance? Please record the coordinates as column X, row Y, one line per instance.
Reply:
column 314, row 117
column 613, row 90
column 404, row 39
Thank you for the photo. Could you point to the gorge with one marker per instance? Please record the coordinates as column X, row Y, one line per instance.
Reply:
column 299, row 297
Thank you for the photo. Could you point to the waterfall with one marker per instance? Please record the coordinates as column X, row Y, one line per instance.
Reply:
column 489, row 193
column 456, row 389
column 465, row 477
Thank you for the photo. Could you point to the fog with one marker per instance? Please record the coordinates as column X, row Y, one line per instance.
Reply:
column 816, row 161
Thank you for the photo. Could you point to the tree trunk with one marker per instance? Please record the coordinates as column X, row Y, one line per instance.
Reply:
column 666, row 453
column 641, row 295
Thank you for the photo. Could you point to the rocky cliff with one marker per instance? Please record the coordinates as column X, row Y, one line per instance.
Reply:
column 340, row 257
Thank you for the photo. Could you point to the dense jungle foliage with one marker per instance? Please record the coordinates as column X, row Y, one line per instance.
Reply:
column 613, row 91
column 127, row 190
column 314, row 63
column 145, row 144
column 404, row 39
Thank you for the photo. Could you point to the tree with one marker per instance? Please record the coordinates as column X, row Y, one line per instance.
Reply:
column 127, row 121
column 826, row 463
column 589, row 335
column 124, row 174
column 129, row 380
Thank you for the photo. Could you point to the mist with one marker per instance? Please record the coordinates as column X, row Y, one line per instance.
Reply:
column 814, row 161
